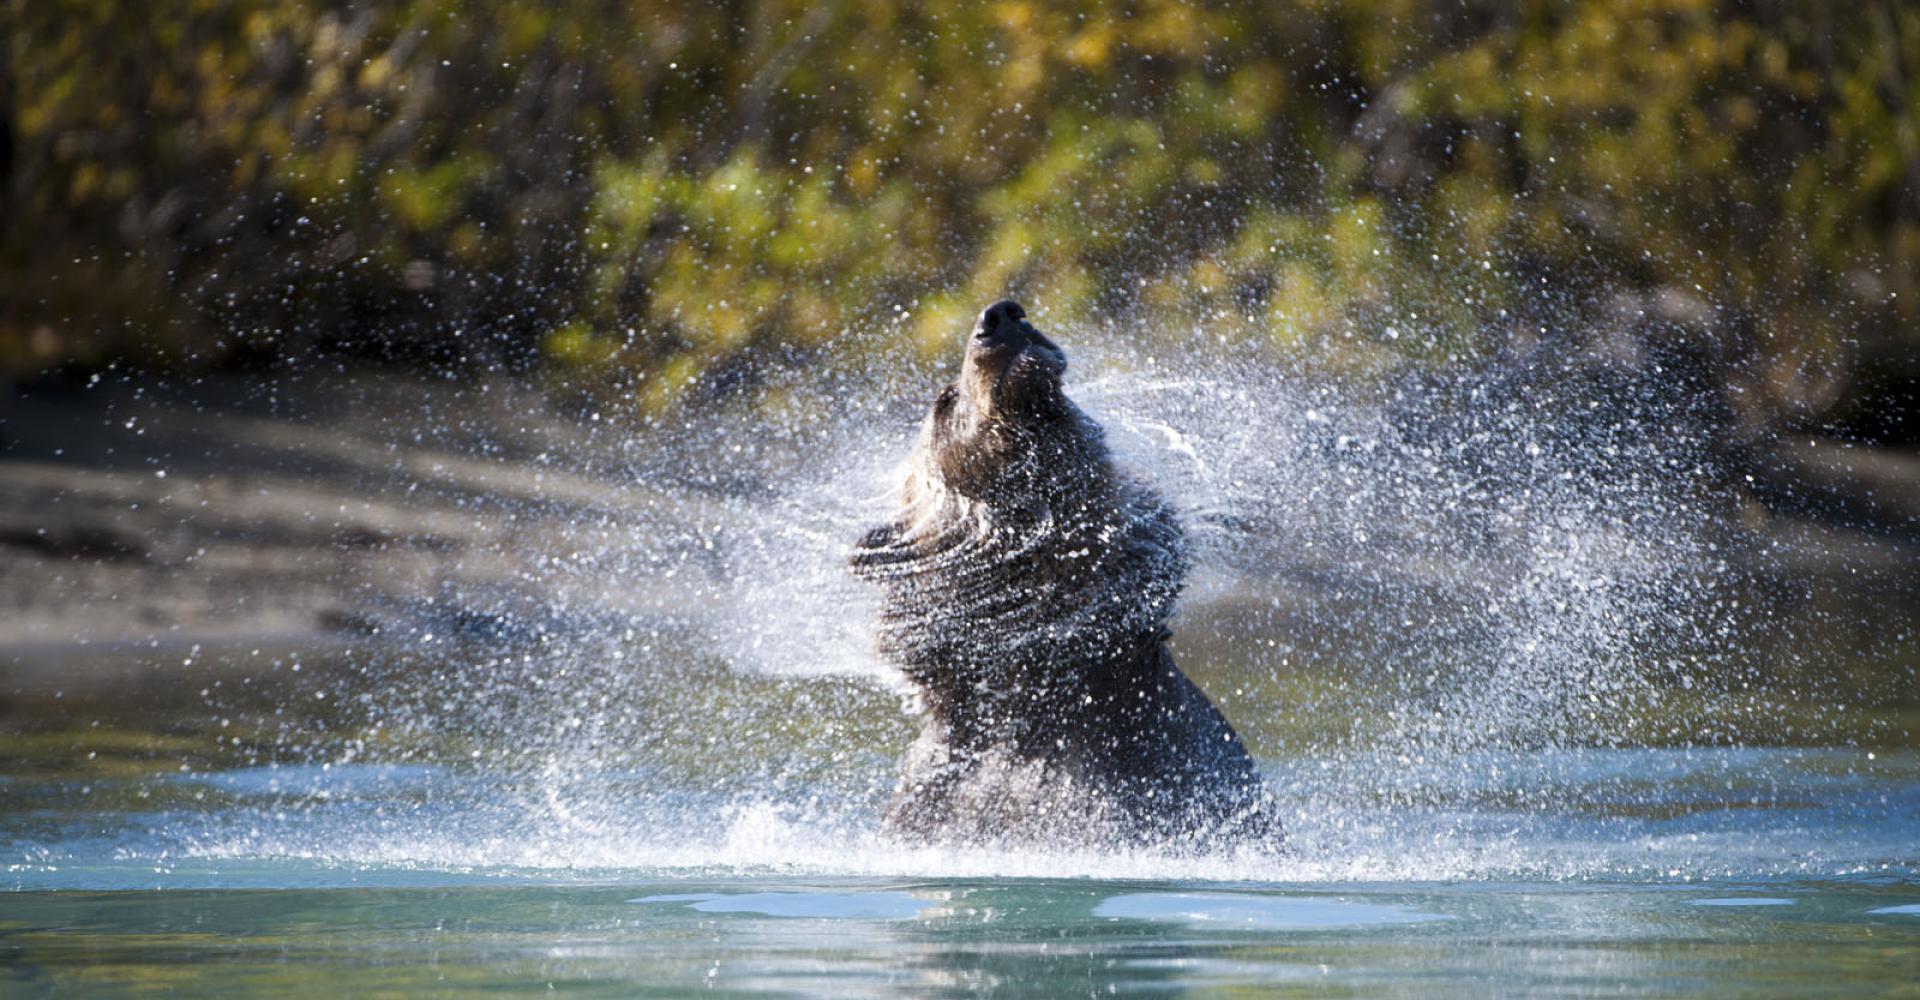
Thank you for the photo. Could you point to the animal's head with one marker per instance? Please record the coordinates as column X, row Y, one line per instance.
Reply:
column 1005, row 419
column 1016, row 530
column 1012, row 371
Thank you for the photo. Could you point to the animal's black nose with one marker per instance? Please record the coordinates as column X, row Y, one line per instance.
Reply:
column 1001, row 318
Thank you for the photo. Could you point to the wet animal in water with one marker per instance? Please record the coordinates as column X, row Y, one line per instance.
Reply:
column 1026, row 584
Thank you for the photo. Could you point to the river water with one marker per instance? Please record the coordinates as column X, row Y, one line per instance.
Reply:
column 1743, row 872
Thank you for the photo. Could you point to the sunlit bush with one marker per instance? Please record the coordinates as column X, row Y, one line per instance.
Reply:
column 655, row 191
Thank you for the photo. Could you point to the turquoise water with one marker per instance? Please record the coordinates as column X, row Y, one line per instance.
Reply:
column 839, row 937
column 1735, row 872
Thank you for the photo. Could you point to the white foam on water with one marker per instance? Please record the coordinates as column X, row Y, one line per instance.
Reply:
column 482, row 828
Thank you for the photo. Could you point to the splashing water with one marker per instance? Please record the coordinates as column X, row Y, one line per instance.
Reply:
column 1448, row 615
column 1508, row 581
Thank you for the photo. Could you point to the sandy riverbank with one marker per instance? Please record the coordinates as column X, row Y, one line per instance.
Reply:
column 229, row 510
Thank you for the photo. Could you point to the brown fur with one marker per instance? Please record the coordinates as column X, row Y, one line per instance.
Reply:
column 1026, row 586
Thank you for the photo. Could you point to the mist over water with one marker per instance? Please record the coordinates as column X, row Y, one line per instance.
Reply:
column 1513, row 572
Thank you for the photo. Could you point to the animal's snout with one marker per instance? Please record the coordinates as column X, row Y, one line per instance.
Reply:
column 1001, row 320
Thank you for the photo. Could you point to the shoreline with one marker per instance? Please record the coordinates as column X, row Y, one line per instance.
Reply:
column 324, row 511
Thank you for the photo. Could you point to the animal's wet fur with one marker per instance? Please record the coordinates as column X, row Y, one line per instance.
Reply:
column 1026, row 586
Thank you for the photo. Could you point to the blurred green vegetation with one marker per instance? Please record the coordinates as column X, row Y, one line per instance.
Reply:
column 661, row 191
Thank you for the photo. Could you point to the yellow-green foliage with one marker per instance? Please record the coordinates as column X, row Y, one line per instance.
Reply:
column 656, row 188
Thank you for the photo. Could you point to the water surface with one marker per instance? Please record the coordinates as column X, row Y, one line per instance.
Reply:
column 1783, row 872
